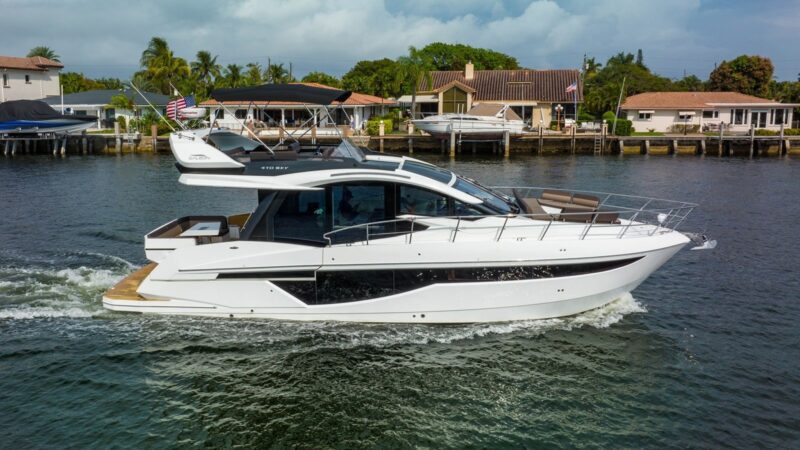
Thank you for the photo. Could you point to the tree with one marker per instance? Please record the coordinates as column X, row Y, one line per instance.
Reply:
column 639, row 58
column 689, row 83
column 276, row 73
column 322, row 78
column 253, row 74
column 44, row 52
column 76, row 82
column 746, row 74
column 206, row 71
column 416, row 70
column 375, row 77
column 455, row 56
column 233, row 76
column 162, row 67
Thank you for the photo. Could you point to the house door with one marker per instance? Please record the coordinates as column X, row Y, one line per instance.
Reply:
column 759, row 119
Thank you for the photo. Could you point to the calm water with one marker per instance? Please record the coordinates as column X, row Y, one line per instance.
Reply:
column 705, row 353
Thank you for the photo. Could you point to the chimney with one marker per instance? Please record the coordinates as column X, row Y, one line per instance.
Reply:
column 469, row 71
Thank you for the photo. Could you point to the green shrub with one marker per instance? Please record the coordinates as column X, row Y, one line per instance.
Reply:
column 623, row 128
column 373, row 126
column 682, row 128
column 609, row 116
column 764, row 132
column 791, row 131
column 123, row 124
column 584, row 116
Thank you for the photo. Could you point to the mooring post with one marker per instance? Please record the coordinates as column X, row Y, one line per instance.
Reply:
column 55, row 147
column 506, row 144
column 703, row 146
column 27, row 146
column 780, row 143
column 721, row 134
column 314, row 134
column 752, row 138
column 154, row 136
column 572, row 134
column 14, row 148
column 646, row 145
column 64, row 146
column 621, row 143
column 452, row 141
column 541, row 136
column 603, row 133
column 84, row 143
column 117, row 137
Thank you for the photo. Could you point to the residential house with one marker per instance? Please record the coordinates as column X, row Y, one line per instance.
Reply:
column 533, row 94
column 95, row 103
column 28, row 78
column 705, row 111
column 354, row 111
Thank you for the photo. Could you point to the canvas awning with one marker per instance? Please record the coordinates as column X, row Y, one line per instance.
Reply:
column 299, row 93
column 420, row 99
column 647, row 111
column 687, row 113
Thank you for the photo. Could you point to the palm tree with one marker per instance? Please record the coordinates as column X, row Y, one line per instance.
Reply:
column 233, row 75
column 276, row 73
column 416, row 69
column 44, row 52
column 205, row 67
column 253, row 76
column 161, row 65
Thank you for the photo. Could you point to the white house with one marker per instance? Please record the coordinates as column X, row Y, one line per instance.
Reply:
column 95, row 103
column 705, row 111
column 354, row 111
column 28, row 78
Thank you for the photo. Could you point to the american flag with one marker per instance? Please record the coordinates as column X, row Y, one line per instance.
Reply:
column 572, row 87
column 175, row 106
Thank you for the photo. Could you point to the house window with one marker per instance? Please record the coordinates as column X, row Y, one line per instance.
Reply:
column 711, row 114
column 241, row 113
column 220, row 114
column 685, row 116
column 5, row 80
column 738, row 116
column 780, row 117
column 454, row 100
column 645, row 116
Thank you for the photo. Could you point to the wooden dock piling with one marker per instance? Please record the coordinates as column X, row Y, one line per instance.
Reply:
column 507, row 144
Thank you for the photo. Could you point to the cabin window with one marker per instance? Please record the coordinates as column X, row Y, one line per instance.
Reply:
column 5, row 80
column 420, row 202
column 454, row 100
column 426, row 170
column 301, row 216
column 711, row 114
column 27, row 79
column 357, row 203
column 645, row 116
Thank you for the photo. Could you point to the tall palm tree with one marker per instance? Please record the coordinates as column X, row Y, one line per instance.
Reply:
column 415, row 68
column 253, row 74
column 205, row 67
column 44, row 52
column 233, row 75
column 162, row 66
column 276, row 73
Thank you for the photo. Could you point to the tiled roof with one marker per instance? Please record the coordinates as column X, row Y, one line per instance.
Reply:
column 547, row 86
column 103, row 97
column 32, row 63
column 356, row 99
column 687, row 100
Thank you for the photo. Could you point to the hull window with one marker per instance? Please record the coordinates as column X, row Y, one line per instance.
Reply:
column 351, row 286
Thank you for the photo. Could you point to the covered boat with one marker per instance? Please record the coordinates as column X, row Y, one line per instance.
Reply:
column 37, row 117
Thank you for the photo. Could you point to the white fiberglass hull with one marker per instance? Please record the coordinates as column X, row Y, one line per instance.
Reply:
column 493, row 301
column 470, row 128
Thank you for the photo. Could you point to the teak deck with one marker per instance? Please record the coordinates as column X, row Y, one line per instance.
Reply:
column 126, row 289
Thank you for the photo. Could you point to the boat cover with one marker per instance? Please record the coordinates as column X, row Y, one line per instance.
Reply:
column 298, row 93
column 34, row 110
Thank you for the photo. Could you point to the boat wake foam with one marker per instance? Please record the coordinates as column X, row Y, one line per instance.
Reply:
column 37, row 292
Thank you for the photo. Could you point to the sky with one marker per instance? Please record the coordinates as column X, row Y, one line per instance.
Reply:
column 105, row 38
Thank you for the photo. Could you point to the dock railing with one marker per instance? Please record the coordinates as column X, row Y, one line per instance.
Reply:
column 618, row 216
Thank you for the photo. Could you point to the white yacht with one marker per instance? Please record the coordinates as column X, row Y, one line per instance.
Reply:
column 486, row 120
column 346, row 234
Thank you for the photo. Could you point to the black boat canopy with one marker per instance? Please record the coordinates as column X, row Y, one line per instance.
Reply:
column 34, row 110
column 299, row 93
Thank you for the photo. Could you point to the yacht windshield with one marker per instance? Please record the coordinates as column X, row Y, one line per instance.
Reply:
column 493, row 201
column 347, row 150
column 228, row 142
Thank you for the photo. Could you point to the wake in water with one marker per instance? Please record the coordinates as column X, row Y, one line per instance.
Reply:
column 42, row 292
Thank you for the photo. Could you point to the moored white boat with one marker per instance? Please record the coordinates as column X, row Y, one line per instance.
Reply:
column 483, row 121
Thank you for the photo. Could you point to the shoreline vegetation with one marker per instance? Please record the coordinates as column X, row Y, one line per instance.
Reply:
column 162, row 70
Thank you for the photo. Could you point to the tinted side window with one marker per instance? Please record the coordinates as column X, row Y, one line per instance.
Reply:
column 420, row 202
column 354, row 204
column 301, row 216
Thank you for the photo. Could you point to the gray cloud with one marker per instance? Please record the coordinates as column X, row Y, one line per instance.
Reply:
column 106, row 38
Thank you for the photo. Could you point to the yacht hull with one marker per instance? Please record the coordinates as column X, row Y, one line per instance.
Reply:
column 493, row 301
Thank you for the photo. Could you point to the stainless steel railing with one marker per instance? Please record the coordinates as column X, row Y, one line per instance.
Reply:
column 646, row 214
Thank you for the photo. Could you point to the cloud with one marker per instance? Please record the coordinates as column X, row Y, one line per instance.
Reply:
column 107, row 38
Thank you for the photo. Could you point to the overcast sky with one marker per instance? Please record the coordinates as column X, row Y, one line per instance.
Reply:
column 106, row 38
